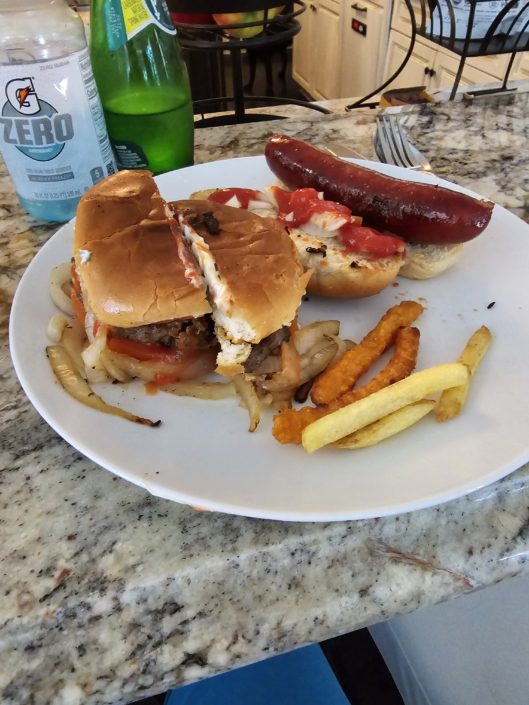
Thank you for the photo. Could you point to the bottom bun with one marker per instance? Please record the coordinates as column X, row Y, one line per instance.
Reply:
column 427, row 261
column 341, row 274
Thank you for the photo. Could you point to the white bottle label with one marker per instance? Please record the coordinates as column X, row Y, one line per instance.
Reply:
column 53, row 135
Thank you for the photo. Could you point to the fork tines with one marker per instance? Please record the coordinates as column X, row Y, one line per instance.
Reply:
column 392, row 145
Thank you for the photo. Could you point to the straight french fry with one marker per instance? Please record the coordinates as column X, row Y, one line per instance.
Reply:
column 452, row 400
column 342, row 375
column 372, row 408
column 289, row 424
column 387, row 426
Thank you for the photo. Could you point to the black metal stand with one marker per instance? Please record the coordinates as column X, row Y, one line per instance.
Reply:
column 271, row 31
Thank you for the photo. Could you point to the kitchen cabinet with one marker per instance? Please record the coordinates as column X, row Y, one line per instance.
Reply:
column 434, row 66
column 523, row 67
column 430, row 65
column 347, row 48
column 317, row 52
column 364, row 42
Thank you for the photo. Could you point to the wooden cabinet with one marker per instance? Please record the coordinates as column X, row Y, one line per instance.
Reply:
column 435, row 67
column 429, row 57
column 317, row 53
column 523, row 67
column 332, row 59
column 364, row 41
column 416, row 71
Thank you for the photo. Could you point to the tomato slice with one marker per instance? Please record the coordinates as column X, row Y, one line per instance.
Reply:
column 143, row 351
column 371, row 242
column 166, row 364
column 297, row 207
column 243, row 195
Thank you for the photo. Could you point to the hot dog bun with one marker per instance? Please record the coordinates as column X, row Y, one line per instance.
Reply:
column 427, row 261
column 341, row 274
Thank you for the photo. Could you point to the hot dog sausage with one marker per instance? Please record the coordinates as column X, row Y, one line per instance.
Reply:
column 421, row 213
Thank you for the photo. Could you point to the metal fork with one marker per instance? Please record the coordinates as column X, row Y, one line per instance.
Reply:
column 392, row 145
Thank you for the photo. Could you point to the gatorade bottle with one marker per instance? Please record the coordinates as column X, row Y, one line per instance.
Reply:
column 143, row 84
column 53, row 136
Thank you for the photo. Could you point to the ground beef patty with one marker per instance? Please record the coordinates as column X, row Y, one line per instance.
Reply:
column 198, row 330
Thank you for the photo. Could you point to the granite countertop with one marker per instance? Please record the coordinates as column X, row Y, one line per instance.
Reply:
column 109, row 594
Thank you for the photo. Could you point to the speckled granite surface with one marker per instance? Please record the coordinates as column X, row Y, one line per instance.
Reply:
column 108, row 594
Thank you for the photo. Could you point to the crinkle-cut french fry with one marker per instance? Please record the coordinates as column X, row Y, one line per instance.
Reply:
column 401, row 365
column 387, row 426
column 342, row 375
column 452, row 400
column 363, row 412
column 289, row 424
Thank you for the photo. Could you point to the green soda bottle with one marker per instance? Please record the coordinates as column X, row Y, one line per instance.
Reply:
column 143, row 84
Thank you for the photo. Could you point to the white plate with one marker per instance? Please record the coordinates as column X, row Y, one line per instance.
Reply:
column 203, row 455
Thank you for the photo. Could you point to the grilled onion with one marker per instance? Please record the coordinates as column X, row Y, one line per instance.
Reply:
column 77, row 387
column 58, row 277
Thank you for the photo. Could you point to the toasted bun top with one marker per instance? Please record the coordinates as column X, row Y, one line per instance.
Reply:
column 121, row 200
column 257, row 264
column 127, row 256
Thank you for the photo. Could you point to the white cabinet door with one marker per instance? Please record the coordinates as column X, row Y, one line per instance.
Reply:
column 401, row 20
column 416, row 71
column 429, row 66
column 327, row 51
column 520, row 68
column 445, row 72
column 495, row 64
column 361, row 72
column 304, row 48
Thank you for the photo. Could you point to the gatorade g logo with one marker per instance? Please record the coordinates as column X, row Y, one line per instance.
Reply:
column 22, row 96
column 33, row 125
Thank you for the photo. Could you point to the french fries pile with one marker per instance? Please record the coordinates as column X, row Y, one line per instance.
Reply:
column 393, row 400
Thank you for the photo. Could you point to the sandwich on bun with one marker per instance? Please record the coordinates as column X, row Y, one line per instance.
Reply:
column 136, row 286
column 254, row 279
column 173, row 291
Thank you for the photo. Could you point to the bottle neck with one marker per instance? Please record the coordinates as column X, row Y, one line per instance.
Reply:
column 39, row 30
column 124, row 20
